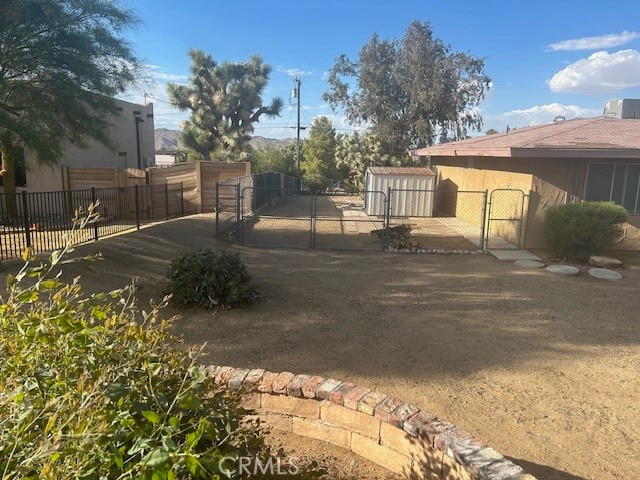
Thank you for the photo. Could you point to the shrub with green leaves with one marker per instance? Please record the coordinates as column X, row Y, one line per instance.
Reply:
column 208, row 279
column 577, row 230
column 88, row 392
column 92, row 388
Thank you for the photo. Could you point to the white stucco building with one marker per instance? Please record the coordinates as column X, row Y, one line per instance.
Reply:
column 132, row 132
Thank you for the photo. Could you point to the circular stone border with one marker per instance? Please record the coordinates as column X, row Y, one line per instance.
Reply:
column 386, row 430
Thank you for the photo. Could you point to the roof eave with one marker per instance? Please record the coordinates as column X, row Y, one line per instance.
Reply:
column 529, row 152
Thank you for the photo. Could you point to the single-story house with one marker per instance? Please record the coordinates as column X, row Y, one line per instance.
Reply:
column 563, row 162
column 132, row 132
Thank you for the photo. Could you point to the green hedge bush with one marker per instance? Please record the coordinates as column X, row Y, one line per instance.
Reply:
column 207, row 279
column 577, row 230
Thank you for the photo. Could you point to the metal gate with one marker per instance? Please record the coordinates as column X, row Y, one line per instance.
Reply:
column 299, row 219
column 505, row 219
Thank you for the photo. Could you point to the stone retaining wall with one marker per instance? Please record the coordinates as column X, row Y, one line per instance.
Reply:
column 385, row 430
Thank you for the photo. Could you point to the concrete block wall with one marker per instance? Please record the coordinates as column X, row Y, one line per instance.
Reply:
column 385, row 430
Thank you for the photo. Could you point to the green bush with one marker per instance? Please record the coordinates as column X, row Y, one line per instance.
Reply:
column 576, row 231
column 207, row 279
column 91, row 388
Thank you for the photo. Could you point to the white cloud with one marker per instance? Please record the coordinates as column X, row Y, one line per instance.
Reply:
column 601, row 72
column 294, row 72
column 536, row 115
column 594, row 43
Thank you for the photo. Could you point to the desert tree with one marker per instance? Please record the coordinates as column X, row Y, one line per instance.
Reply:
column 318, row 155
column 408, row 91
column 61, row 63
column 225, row 101
column 355, row 152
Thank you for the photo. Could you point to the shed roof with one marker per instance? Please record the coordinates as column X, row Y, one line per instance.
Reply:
column 404, row 171
column 599, row 137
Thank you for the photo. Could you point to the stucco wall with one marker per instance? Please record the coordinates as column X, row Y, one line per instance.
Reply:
column 545, row 180
column 485, row 175
column 125, row 154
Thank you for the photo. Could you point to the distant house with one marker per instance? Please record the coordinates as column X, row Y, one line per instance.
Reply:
column 563, row 162
column 132, row 132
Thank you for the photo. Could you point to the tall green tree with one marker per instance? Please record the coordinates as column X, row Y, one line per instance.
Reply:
column 61, row 62
column 318, row 152
column 274, row 159
column 225, row 101
column 409, row 90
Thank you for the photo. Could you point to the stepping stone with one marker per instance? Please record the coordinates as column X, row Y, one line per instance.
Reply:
column 604, row 274
column 604, row 262
column 529, row 263
column 563, row 269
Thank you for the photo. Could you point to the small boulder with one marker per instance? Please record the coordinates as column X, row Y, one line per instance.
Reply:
column 604, row 262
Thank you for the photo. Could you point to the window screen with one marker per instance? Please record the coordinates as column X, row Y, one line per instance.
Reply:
column 615, row 183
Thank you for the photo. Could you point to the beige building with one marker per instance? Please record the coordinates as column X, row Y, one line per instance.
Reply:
column 132, row 132
column 567, row 161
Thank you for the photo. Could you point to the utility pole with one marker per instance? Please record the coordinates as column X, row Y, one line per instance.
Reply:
column 297, row 95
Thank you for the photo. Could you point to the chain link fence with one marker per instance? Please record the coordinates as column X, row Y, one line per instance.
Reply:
column 437, row 219
column 269, row 211
column 42, row 221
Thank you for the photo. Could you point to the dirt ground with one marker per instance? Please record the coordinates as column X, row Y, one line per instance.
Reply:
column 544, row 368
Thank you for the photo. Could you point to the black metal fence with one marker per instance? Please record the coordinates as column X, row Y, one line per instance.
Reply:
column 42, row 221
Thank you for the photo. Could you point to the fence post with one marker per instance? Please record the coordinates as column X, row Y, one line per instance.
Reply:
column 94, row 199
column 25, row 216
column 217, row 209
column 166, row 200
column 238, row 212
column 388, row 210
column 484, row 232
column 137, row 204
column 312, row 239
column 181, row 200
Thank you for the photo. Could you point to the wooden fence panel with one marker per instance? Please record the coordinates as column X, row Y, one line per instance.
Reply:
column 198, row 182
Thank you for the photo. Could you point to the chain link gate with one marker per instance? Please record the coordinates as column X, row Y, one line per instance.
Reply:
column 299, row 219
column 505, row 219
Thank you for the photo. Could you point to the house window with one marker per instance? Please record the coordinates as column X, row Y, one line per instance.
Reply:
column 615, row 182
column 21, row 169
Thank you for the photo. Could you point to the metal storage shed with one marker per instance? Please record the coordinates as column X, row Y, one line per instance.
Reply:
column 412, row 191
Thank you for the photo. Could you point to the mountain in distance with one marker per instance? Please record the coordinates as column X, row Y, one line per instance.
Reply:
column 166, row 139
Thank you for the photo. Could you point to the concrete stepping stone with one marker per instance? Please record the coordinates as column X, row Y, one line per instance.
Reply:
column 604, row 274
column 563, row 269
column 529, row 263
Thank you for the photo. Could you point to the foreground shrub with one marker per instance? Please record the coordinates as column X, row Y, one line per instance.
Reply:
column 578, row 230
column 88, row 392
column 207, row 279
column 90, row 388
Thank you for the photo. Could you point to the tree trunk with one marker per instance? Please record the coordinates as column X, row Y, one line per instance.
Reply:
column 8, row 153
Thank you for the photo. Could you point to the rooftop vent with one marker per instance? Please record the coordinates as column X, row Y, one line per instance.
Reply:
column 559, row 118
column 625, row 108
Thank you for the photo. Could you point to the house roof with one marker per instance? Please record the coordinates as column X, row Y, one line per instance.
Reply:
column 405, row 171
column 599, row 137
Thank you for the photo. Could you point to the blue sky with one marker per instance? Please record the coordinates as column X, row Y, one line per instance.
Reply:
column 545, row 58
